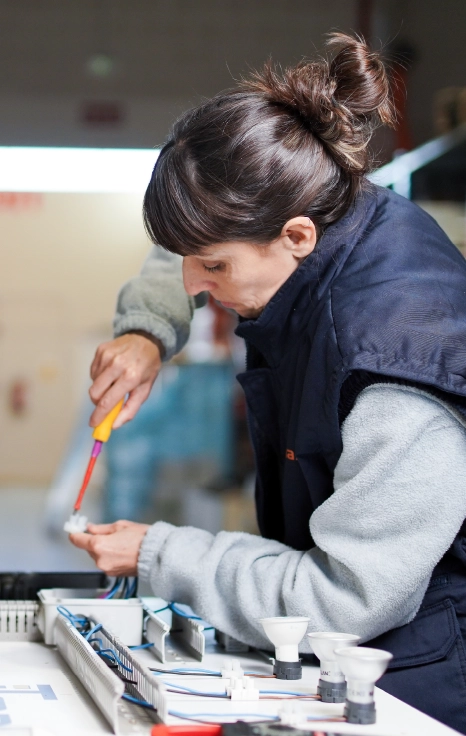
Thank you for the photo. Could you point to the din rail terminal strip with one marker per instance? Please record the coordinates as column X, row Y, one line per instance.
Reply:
column 18, row 621
column 187, row 634
column 104, row 686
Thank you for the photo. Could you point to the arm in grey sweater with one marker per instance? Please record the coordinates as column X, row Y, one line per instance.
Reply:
column 398, row 504
column 156, row 302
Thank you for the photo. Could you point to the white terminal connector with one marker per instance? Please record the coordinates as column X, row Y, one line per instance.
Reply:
column 242, row 688
column 291, row 714
column 232, row 668
column 76, row 523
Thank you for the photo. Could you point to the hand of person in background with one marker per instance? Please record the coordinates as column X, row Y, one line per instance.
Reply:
column 113, row 547
column 127, row 365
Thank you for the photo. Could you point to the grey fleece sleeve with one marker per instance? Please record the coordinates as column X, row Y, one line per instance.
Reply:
column 399, row 501
column 156, row 302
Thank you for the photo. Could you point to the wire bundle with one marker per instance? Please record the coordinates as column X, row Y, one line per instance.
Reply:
column 109, row 655
column 122, row 588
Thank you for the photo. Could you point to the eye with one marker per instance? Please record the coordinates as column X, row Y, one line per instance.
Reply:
column 213, row 269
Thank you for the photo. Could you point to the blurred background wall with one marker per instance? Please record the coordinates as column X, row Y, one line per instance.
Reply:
column 117, row 72
column 63, row 259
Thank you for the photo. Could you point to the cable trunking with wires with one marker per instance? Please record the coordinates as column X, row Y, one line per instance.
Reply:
column 113, row 693
column 98, row 631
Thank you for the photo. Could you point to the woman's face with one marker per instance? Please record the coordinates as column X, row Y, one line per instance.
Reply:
column 245, row 277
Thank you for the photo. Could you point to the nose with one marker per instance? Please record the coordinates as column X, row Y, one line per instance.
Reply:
column 193, row 277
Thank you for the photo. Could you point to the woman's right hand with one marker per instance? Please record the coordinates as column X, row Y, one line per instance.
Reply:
column 127, row 365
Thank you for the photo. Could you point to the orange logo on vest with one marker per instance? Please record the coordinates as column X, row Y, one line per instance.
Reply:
column 290, row 455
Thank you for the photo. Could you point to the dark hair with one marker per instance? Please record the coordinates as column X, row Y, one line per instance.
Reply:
column 280, row 145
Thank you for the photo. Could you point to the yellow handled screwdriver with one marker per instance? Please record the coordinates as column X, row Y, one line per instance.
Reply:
column 77, row 522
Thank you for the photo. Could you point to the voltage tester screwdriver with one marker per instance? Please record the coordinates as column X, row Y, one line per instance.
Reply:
column 77, row 522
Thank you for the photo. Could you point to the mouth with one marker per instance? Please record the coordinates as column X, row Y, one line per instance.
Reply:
column 228, row 305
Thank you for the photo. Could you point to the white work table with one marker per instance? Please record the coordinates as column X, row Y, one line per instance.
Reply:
column 64, row 707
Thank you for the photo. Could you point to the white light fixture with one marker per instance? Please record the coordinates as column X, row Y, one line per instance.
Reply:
column 285, row 633
column 332, row 685
column 362, row 668
column 28, row 169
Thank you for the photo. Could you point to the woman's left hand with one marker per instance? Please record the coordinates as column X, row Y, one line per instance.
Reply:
column 113, row 547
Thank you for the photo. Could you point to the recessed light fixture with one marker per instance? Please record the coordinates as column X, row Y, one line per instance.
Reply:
column 28, row 169
column 100, row 66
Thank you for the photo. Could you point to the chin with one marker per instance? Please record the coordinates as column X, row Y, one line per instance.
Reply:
column 249, row 312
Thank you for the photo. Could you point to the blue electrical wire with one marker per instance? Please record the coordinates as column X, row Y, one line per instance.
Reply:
column 190, row 691
column 114, row 589
column 198, row 670
column 133, row 589
column 111, row 653
column 137, row 701
column 165, row 608
column 181, row 689
column 94, row 630
column 174, row 608
column 192, row 717
column 123, row 588
column 96, row 639
column 106, row 653
column 73, row 618
column 286, row 692
column 186, row 671
column 142, row 646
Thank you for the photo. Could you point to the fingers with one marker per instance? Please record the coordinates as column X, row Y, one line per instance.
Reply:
column 102, row 358
column 116, row 526
column 105, row 404
column 116, row 370
column 131, row 363
column 133, row 403
column 82, row 540
column 113, row 547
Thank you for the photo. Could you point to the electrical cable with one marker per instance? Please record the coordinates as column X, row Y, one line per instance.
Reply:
column 270, row 694
column 142, row 646
column 165, row 608
column 263, row 716
column 114, row 661
column 77, row 620
column 133, row 589
column 114, row 589
column 189, row 691
column 137, row 701
column 123, row 588
column 106, row 653
column 94, row 630
column 174, row 609
column 192, row 717
column 189, row 672
column 112, row 653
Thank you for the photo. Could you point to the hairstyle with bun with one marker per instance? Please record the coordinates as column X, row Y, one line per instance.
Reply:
column 281, row 144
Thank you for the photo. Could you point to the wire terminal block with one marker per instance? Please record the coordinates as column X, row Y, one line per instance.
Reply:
column 232, row 668
column 242, row 688
column 76, row 523
column 291, row 714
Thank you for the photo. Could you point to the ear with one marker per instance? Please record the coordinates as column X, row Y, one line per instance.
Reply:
column 300, row 236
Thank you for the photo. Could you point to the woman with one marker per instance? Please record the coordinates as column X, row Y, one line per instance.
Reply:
column 351, row 302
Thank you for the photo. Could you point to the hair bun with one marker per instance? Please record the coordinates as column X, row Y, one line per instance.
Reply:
column 340, row 101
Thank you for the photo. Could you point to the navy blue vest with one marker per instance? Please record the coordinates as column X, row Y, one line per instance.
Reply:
column 385, row 292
